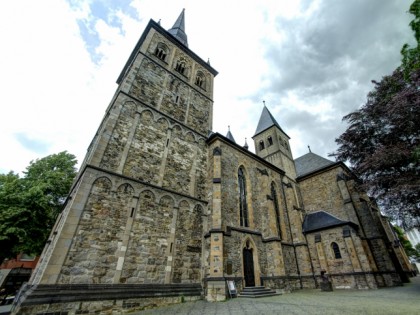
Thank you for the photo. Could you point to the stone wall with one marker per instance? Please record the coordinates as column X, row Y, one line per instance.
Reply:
column 322, row 192
column 92, row 257
column 158, row 84
column 258, row 179
column 176, row 156
column 336, row 192
column 188, row 244
column 127, row 234
column 351, row 269
column 290, row 261
column 272, row 247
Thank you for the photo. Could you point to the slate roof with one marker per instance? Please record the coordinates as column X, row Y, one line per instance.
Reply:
column 310, row 162
column 178, row 30
column 266, row 121
column 322, row 220
column 230, row 136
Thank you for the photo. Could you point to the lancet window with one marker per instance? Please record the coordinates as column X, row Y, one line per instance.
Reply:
column 243, row 207
column 276, row 207
column 336, row 250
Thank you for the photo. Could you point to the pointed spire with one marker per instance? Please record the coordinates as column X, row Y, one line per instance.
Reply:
column 178, row 30
column 246, row 145
column 266, row 121
column 230, row 136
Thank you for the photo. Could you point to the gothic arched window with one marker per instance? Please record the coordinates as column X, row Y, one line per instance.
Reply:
column 270, row 140
column 261, row 145
column 276, row 207
column 336, row 250
column 243, row 207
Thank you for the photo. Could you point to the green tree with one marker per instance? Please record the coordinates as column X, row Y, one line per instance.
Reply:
column 417, row 247
column 29, row 205
column 408, row 247
column 411, row 55
column 382, row 142
column 12, row 215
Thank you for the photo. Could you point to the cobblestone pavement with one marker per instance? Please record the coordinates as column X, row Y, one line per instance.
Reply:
column 393, row 301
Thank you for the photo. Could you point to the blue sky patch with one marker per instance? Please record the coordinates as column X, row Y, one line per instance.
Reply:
column 34, row 145
column 102, row 10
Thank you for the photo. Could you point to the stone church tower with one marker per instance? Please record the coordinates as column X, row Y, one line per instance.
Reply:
column 272, row 143
column 136, row 213
column 163, row 209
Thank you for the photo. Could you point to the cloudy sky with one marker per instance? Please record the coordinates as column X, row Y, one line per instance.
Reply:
column 311, row 61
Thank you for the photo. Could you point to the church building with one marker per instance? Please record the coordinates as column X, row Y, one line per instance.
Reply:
column 165, row 210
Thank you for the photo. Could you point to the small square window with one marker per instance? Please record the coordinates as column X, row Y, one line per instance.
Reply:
column 346, row 232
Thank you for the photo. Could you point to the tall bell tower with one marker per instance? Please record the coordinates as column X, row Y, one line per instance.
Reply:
column 136, row 212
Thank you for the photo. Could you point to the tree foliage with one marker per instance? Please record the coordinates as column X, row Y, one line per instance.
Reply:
column 411, row 55
column 30, row 204
column 382, row 141
column 406, row 244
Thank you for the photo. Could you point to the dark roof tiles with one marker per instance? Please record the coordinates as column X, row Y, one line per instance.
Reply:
column 322, row 220
column 266, row 121
column 310, row 162
column 178, row 30
column 230, row 136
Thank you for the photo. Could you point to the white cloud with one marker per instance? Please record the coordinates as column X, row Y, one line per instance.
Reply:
column 56, row 86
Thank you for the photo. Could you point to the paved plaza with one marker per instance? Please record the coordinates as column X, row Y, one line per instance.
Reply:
column 392, row 301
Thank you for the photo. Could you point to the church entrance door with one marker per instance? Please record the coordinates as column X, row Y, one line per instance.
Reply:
column 249, row 267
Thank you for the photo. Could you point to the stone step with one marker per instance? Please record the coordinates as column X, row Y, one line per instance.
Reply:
column 256, row 292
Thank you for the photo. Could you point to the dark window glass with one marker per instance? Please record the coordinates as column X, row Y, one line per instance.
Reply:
column 180, row 67
column 276, row 207
column 243, row 208
column 160, row 53
column 336, row 250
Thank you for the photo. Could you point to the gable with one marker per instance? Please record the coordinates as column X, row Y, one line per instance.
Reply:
column 322, row 220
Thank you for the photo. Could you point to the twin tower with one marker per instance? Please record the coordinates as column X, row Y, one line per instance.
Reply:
column 164, row 210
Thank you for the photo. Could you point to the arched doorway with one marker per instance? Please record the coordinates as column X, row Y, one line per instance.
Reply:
column 249, row 274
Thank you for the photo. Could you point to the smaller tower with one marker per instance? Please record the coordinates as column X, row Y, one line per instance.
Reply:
column 272, row 143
